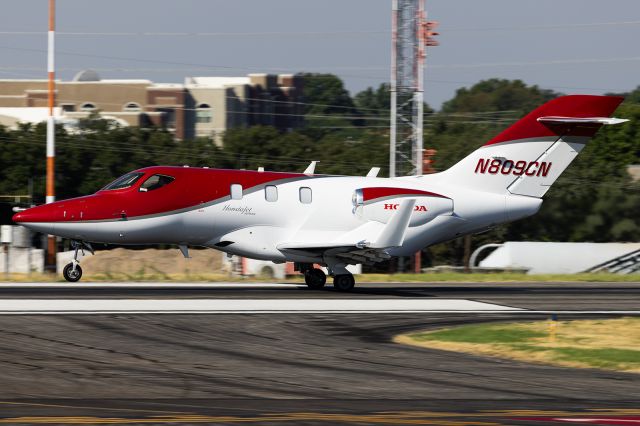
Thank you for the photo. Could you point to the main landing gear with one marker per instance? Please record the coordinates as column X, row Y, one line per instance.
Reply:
column 316, row 279
column 72, row 272
column 344, row 282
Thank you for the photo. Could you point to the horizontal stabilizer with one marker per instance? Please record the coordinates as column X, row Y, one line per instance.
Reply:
column 582, row 120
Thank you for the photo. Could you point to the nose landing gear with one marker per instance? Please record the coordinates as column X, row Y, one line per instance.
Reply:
column 72, row 272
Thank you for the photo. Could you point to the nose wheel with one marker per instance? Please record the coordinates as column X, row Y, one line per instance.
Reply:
column 72, row 272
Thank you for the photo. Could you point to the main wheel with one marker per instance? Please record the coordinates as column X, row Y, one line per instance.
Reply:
column 315, row 278
column 70, row 274
column 344, row 282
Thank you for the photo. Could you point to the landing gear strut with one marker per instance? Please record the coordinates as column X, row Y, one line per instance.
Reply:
column 72, row 272
column 315, row 278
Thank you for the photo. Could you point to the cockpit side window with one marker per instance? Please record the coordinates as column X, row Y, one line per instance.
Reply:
column 155, row 182
column 124, row 181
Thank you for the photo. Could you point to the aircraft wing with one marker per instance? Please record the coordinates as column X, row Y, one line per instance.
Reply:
column 363, row 251
column 352, row 253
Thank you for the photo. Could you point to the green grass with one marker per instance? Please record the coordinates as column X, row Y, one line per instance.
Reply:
column 577, row 343
column 492, row 334
column 496, row 277
column 599, row 358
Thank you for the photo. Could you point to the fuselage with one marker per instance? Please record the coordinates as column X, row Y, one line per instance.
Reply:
column 253, row 213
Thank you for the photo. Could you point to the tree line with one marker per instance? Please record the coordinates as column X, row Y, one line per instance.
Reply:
column 594, row 200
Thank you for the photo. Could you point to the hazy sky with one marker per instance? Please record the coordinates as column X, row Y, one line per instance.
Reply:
column 573, row 46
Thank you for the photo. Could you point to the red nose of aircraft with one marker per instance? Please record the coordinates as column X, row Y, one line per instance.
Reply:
column 44, row 213
column 40, row 218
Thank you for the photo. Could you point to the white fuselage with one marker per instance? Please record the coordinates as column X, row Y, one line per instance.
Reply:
column 255, row 228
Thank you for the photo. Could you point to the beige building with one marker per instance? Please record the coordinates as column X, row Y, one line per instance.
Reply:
column 201, row 107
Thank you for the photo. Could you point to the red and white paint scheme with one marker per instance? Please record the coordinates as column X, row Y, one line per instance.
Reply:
column 332, row 220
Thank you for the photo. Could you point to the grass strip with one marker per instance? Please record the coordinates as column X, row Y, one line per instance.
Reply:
column 612, row 344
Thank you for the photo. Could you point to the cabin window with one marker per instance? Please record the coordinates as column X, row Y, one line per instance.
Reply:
column 155, row 182
column 124, row 181
column 305, row 195
column 236, row 191
column 271, row 193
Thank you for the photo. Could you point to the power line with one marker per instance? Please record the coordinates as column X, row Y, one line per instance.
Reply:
column 340, row 33
column 129, row 148
column 199, row 34
column 444, row 66
column 547, row 27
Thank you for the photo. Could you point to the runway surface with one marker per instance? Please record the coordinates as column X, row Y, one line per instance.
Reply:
column 296, row 367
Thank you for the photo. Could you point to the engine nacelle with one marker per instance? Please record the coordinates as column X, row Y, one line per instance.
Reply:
column 428, row 206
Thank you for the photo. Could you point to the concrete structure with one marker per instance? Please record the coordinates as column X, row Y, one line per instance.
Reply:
column 555, row 258
column 201, row 107
column 23, row 260
column 17, row 255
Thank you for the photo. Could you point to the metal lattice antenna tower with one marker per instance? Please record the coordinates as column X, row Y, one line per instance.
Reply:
column 411, row 33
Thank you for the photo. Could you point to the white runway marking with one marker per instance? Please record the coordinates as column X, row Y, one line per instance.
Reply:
column 173, row 306
column 147, row 285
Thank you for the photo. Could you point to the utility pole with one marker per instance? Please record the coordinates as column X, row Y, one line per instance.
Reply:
column 51, row 129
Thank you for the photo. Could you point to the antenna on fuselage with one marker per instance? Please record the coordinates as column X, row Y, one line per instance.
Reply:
column 311, row 168
column 373, row 172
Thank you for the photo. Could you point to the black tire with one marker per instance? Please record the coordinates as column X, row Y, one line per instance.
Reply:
column 344, row 282
column 71, row 275
column 315, row 278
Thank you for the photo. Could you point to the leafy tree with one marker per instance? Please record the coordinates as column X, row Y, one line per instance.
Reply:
column 594, row 200
column 329, row 106
column 498, row 95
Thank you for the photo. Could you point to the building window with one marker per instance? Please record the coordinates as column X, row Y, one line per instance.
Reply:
column 204, row 114
column 68, row 107
column 88, row 107
column 271, row 193
column 236, row 191
column 132, row 107
column 305, row 195
column 168, row 117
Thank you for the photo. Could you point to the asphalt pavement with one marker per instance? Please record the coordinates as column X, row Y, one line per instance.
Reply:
column 297, row 367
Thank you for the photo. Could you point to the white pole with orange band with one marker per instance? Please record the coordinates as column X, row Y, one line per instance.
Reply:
column 51, row 127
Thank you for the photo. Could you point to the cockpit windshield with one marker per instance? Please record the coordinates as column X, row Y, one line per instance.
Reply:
column 124, row 181
column 155, row 182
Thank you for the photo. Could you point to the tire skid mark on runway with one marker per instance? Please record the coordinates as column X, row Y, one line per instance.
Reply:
column 307, row 357
column 363, row 371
